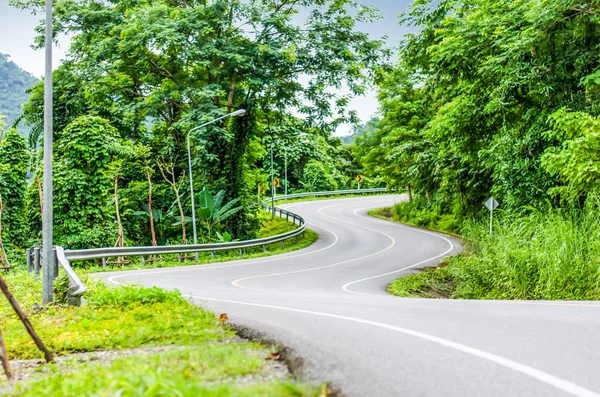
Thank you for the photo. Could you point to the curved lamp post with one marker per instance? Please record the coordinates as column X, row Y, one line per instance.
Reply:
column 237, row 113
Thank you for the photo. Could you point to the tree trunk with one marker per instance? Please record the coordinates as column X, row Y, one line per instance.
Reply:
column 409, row 193
column 15, row 305
column 152, row 231
column 4, row 263
column 4, row 358
column 120, row 237
column 181, row 214
column 171, row 181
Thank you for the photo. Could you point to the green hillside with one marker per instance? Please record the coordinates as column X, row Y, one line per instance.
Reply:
column 14, row 83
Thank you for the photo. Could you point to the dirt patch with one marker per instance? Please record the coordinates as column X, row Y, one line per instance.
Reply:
column 385, row 213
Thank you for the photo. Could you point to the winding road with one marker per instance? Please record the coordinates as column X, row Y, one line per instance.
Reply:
column 328, row 304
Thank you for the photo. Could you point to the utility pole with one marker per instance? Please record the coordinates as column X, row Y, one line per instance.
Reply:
column 272, row 185
column 286, row 181
column 47, row 216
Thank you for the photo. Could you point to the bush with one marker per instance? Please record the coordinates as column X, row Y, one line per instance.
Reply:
column 316, row 178
column 442, row 216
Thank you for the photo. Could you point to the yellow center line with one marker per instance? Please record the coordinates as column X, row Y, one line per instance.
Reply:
column 236, row 283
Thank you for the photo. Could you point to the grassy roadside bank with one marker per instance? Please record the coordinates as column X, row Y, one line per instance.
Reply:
column 134, row 341
column 546, row 255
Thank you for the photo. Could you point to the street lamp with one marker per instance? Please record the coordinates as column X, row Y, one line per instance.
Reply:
column 239, row 112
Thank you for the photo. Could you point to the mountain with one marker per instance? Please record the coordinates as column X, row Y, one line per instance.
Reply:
column 14, row 82
column 364, row 128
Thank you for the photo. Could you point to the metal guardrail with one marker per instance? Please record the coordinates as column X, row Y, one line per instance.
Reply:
column 99, row 253
column 331, row 193
column 77, row 288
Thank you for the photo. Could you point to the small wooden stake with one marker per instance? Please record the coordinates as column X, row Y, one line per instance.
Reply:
column 15, row 305
column 4, row 358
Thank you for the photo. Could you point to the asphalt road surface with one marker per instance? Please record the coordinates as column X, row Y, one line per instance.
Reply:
column 328, row 304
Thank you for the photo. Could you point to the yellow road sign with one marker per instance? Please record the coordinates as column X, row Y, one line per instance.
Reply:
column 359, row 178
column 276, row 182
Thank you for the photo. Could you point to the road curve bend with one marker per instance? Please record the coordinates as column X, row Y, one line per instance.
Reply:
column 328, row 303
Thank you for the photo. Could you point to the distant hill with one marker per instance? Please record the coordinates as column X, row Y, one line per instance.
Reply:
column 368, row 126
column 14, row 82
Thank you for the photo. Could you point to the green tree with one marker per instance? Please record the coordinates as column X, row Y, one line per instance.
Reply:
column 155, row 69
column 83, row 215
column 467, row 109
column 13, row 182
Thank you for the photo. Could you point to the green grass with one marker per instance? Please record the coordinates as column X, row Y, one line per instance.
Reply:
column 549, row 254
column 269, row 227
column 206, row 357
column 213, row 371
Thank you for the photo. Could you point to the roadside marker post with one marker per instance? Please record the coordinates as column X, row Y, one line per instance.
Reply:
column 359, row 179
column 491, row 205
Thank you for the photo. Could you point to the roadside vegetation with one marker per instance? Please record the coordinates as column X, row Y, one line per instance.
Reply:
column 496, row 99
column 269, row 227
column 135, row 341
column 540, row 254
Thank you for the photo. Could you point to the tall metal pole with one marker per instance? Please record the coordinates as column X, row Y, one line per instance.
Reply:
column 239, row 112
column 192, row 189
column 272, row 185
column 47, row 217
column 286, row 181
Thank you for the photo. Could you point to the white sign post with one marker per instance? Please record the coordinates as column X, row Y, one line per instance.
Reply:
column 491, row 205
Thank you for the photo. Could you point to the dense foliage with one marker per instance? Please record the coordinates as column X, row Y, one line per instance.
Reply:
column 491, row 98
column 13, row 173
column 141, row 74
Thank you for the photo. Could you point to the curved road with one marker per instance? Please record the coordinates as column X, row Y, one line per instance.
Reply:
column 328, row 303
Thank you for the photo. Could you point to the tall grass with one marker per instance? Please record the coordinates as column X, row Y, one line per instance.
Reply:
column 544, row 254
column 442, row 216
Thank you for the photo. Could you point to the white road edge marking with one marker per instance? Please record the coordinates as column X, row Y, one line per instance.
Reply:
column 345, row 286
column 544, row 377
column 561, row 384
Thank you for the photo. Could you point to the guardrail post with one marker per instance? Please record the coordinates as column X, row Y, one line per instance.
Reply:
column 103, row 262
column 296, row 237
column 212, row 254
column 143, row 260
column 282, row 244
column 241, row 253
column 36, row 261
column 179, row 258
column 287, row 216
column 55, row 266
column 28, row 259
column 264, row 247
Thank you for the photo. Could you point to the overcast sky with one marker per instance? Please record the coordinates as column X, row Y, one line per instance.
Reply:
column 17, row 32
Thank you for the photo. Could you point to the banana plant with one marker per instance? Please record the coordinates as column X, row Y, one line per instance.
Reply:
column 212, row 210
